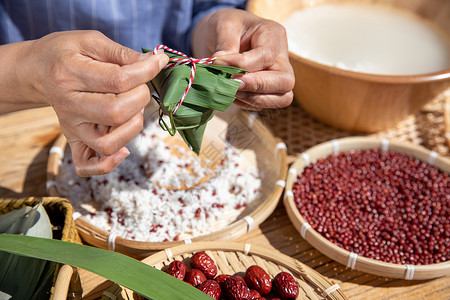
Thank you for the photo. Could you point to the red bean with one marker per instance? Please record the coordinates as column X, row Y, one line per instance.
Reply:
column 379, row 204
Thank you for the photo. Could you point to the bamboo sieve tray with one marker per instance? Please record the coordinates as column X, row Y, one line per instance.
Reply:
column 232, row 258
column 248, row 133
column 372, row 266
column 447, row 118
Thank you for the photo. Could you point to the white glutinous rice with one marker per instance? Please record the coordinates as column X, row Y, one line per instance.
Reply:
column 129, row 203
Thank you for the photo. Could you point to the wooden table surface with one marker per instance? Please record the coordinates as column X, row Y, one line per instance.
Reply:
column 27, row 136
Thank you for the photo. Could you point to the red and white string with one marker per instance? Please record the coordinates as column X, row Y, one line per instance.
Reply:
column 173, row 62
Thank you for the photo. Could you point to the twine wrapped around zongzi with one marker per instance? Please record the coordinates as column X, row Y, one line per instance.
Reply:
column 189, row 104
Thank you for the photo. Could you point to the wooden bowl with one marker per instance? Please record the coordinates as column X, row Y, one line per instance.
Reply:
column 358, row 101
column 235, row 258
column 249, row 134
column 360, row 263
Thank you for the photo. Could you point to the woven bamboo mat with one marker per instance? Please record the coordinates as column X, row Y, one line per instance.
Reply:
column 301, row 131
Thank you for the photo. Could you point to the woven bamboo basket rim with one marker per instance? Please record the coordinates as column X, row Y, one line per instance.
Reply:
column 360, row 263
column 69, row 232
column 447, row 118
column 138, row 249
column 232, row 258
column 66, row 280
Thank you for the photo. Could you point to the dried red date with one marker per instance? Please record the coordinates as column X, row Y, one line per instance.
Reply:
column 258, row 279
column 285, row 286
column 236, row 289
column 210, row 288
column 204, row 263
column 177, row 269
column 221, row 278
column 195, row 277
column 254, row 295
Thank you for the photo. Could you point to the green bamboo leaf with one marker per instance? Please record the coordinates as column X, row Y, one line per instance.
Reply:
column 193, row 115
column 29, row 220
column 121, row 269
column 213, row 89
column 25, row 277
column 193, row 137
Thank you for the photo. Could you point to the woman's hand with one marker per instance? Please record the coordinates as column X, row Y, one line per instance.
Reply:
column 97, row 89
column 241, row 39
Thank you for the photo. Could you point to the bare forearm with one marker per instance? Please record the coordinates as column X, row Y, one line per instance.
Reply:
column 16, row 92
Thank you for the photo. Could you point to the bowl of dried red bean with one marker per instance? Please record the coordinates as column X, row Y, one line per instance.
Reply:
column 374, row 205
column 229, row 270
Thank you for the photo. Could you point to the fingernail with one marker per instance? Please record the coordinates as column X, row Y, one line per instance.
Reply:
column 160, row 51
column 123, row 153
column 238, row 78
column 220, row 62
column 163, row 60
column 160, row 55
column 242, row 83
column 221, row 53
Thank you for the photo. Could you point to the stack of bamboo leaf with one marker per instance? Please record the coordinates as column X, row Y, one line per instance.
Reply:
column 25, row 277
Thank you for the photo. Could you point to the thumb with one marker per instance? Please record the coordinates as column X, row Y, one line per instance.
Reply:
column 227, row 41
column 228, row 53
column 103, row 49
column 120, row 55
column 87, row 163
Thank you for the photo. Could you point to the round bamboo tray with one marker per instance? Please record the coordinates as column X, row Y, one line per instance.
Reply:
column 372, row 266
column 248, row 133
column 234, row 258
column 447, row 118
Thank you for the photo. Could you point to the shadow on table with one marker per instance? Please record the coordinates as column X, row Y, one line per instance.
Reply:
column 35, row 177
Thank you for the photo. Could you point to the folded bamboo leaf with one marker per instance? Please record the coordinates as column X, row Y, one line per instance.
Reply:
column 193, row 115
column 29, row 220
column 25, row 277
column 174, row 81
column 212, row 89
column 121, row 269
column 193, row 137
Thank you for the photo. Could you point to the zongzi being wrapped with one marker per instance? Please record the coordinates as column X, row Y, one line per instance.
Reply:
column 188, row 103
